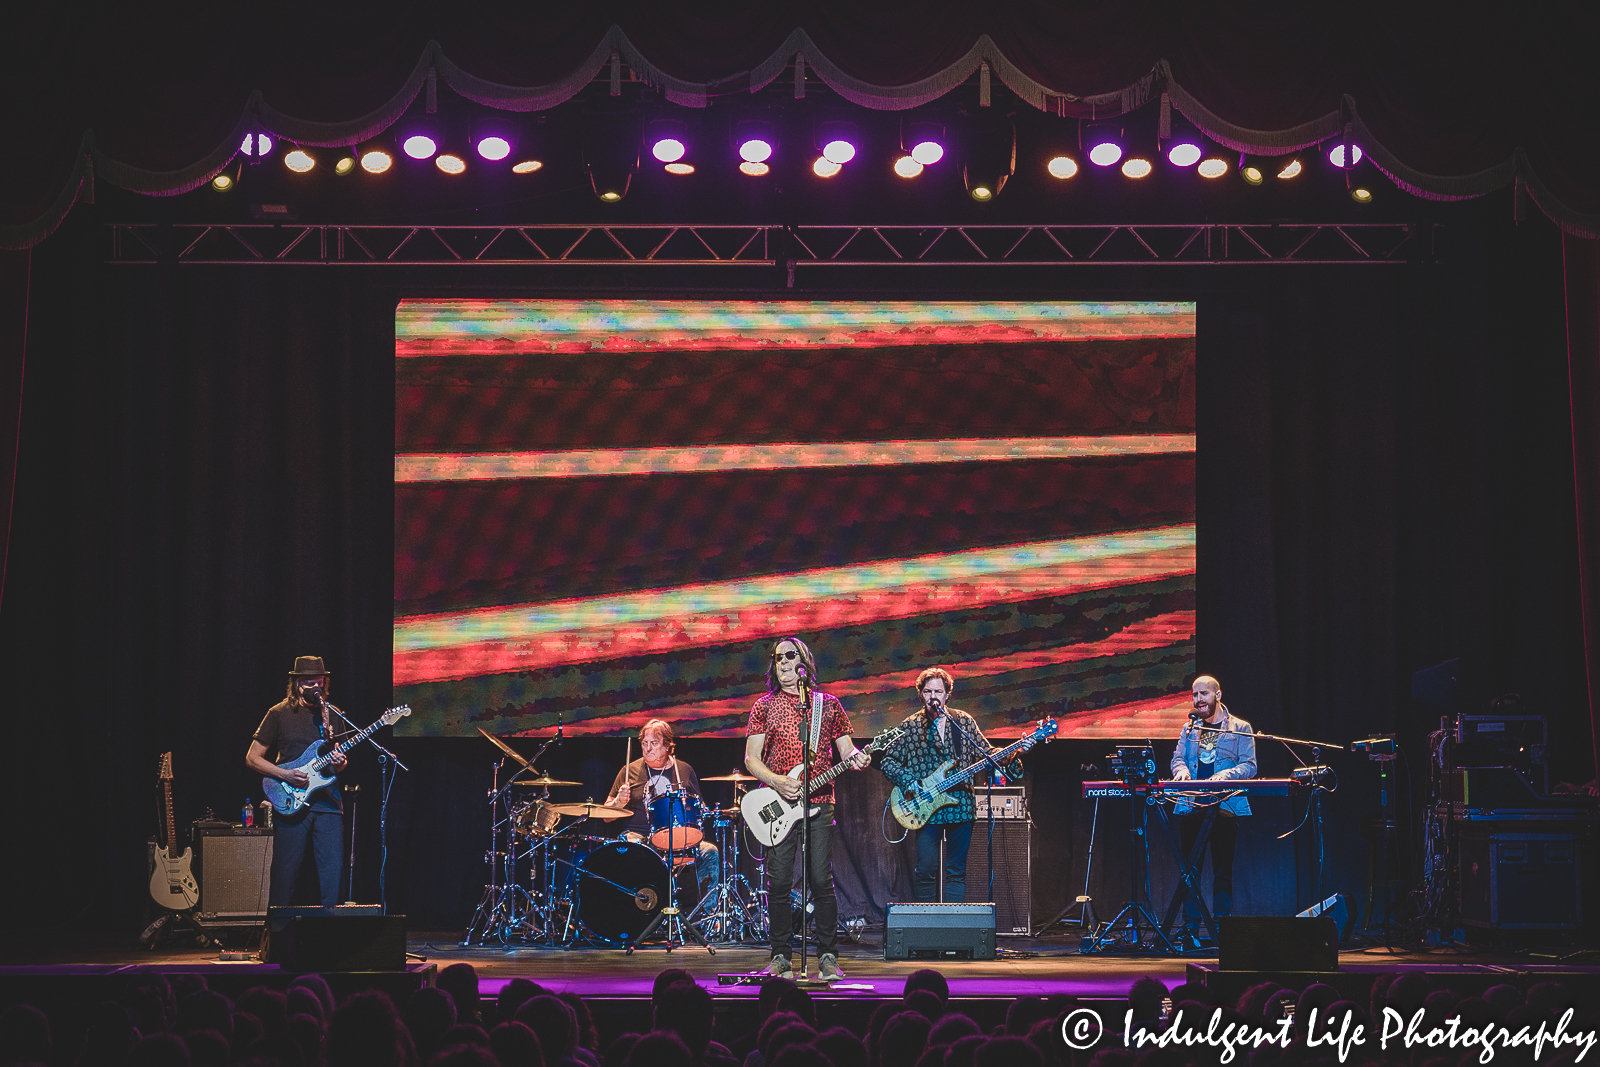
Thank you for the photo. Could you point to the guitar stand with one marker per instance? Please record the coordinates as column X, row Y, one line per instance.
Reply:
column 171, row 925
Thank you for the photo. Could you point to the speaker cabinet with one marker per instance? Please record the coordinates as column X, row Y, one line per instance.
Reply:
column 350, row 937
column 1277, row 943
column 939, row 932
column 1520, row 881
column 235, row 872
column 1013, row 873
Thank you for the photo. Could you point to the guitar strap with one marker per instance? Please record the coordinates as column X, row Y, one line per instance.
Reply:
column 816, row 721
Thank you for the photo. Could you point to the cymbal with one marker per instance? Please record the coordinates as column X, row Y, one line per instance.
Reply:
column 546, row 780
column 503, row 747
column 734, row 777
column 593, row 811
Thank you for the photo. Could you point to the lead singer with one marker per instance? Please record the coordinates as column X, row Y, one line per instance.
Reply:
column 775, row 739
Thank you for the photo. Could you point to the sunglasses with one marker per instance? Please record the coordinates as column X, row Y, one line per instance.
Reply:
column 790, row 655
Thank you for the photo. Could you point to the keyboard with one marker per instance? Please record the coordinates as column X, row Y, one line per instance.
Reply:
column 1256, row 787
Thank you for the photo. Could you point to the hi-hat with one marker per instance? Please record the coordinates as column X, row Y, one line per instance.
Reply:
column 734, row 777
column 546, row 780
column 592, row 811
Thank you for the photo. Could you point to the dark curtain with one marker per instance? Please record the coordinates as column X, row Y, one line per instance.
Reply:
column 1385, row 480
column 15, row 274
column 1581, row 260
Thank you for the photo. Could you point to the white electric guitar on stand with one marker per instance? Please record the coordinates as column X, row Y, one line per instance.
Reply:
column 770, row 817
column 172, row 883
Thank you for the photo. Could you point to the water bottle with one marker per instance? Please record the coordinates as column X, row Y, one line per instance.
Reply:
column 249, row 812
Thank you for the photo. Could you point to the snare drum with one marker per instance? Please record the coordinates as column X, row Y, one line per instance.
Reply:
column 621, row 887
column 534, row 818
column 675, row 821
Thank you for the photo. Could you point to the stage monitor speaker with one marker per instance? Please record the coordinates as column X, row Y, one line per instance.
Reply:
column 1013, row 871
column 351, row 937
column 234, row 869
column 939, row 932
column 1520, row 881
column 1277, row 943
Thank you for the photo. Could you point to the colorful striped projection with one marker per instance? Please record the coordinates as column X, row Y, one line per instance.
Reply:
column 501, row 327
column 492, row 466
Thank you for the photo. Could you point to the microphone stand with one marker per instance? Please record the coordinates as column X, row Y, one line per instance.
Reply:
column 805, row 811
column 386, row 779
column 980, row 745
column 1315, row 802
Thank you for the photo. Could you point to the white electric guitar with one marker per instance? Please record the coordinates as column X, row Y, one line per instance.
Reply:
column 770, row 817
column 171, row 883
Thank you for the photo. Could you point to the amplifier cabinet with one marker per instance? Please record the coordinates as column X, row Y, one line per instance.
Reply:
column 1512, row 881
column 1013, row 873
column 234, row 869
column 939, row 932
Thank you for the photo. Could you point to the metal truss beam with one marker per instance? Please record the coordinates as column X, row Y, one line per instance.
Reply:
column 764, row 245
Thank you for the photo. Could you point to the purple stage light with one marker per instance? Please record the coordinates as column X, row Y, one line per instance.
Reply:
column 419, row 146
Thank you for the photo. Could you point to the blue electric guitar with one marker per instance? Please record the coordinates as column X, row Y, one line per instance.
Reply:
column 914, row 805
column 287, row 799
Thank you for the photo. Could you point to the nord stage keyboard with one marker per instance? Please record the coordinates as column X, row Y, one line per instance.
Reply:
column 1256, row 787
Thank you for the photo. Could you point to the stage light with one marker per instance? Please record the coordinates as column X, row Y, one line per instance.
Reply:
column 345, row 163
column 679, row 168
column 1250, row 173
column 375, row 160
column 1361, row 196
column 926, row 140
column 1213, row 167
column 668, row 139
column 450, row 164
column 222, row 183
column 1184, row 154
column 1062, row 167
column 527, row 166
column 611, row 140
column 1291, row 169
column 757, row 140
column 419, row 136
column 754, row 170
column 838, row 141
column 1185, row 146
column 989, row 155
column 493, row 137
column 299, row 160
column 419, row 146
column 1135, row 167
column 1105, row 143
column 256, row 144
column 1336, row 156
column 907, row 167
column 825, row 167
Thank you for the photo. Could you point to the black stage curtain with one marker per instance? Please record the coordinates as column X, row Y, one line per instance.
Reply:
column 204, row 491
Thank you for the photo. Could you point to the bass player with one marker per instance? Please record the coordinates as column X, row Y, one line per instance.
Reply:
column 297, row 720
column 791, row 719
column 933, row 735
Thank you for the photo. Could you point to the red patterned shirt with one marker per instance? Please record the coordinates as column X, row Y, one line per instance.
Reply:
column 780, row 717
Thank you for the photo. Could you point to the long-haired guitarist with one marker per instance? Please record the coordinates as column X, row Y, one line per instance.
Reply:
column 790, row 720
column 935, row 734
column 297, row 720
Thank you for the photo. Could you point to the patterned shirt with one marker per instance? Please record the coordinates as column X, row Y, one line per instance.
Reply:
column 920, row 751
column 780, row 717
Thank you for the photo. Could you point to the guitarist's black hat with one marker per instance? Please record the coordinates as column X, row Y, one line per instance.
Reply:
column 308, row 665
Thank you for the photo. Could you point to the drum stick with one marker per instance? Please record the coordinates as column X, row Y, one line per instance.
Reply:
column 627, row 762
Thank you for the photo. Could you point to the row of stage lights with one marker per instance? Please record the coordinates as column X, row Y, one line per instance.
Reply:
column 989, row 161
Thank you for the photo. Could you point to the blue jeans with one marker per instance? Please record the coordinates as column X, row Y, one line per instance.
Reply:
column 957, row 838
column 323, row 831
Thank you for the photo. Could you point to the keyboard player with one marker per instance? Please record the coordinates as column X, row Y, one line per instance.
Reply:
column 1214, row 745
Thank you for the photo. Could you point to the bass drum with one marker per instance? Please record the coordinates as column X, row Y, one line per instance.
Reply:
column 621, row 888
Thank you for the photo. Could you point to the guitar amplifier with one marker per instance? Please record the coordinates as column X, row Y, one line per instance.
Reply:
column 233, row 865
column 939, row 932
column 1013, row 871
column 1009, row 802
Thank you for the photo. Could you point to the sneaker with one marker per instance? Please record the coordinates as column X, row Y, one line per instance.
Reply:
column 779, row 968
column 828, row 968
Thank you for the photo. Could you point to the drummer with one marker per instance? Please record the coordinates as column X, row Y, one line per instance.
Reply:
column 652, row 776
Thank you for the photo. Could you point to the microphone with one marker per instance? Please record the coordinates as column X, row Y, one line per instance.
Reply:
column 1195, row 716
column 558, row 728
column 800, row 669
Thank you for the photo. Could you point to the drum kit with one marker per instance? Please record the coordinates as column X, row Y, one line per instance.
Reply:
column 559, row 876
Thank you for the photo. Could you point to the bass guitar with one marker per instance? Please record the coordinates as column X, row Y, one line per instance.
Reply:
column 914, row 805
column 770, row 817
column 171, row 883
column 287, row 799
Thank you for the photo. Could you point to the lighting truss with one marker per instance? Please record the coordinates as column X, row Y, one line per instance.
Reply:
column 764, row 245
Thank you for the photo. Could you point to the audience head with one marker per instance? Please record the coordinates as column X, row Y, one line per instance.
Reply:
column 904, row 1038
column 1145, row 997
column 271, row 1006
column 802, row 1055
column 429, row 1013
column 950, row 1029
column 928, row 979
column 1008, row 1052
column 788, row 1031
column 1551, row 997
column 685, row 1009
column 1406, row 993
column 1252, row 1000
column 660, row 1048
column 308, row 1035
column 1502, row 999
column 465, row 1034
column 617, row 1052
column 925, row 1002
column 111, row 1035
column 464, row 1056
column 515, row 1045
column 302, row 1001
column 208, row 1048
column 964, row 1052
column 555, row 1023
column 318, row 985
column 772, row 990
column 160, row 1050
column 367, row 1032
column 1024, row 1012
column 587, row 1037
column 460, row 980
column 670, row 976
column 843, row 1048
column 246, row 1034
column 24, row 1034
column 516, row 993
column 797, row 1001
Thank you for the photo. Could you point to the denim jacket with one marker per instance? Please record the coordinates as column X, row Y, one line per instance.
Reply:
column 1236, row 758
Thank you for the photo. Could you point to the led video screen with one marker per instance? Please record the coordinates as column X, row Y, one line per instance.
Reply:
column 609, row 510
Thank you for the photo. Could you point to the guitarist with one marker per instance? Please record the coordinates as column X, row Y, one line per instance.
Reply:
column 935, row 734
column 300, row 718
column 783, row 725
